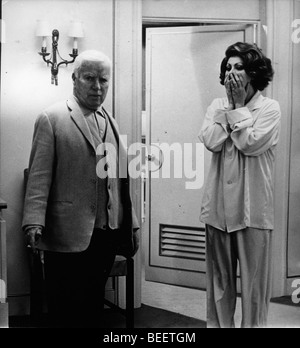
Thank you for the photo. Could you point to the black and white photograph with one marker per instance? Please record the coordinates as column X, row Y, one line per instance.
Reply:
column 156, row 142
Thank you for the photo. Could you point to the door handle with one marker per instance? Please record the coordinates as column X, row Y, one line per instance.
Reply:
column 157, row 161
column 151, row 158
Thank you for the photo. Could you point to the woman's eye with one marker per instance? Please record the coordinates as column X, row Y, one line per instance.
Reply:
column 240, row 67
column 228, row 67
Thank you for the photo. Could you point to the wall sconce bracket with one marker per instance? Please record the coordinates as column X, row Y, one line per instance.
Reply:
column 52, row 61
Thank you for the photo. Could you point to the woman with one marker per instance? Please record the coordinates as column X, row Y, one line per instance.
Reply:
column 241, row 131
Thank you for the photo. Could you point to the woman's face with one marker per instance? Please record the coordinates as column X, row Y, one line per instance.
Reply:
column 235, row 65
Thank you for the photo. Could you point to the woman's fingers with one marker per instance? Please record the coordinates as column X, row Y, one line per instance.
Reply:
column 238, row 79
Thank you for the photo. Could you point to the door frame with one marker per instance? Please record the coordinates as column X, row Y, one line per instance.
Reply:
column 127, row 104
column 149, row 22
column 165, row 21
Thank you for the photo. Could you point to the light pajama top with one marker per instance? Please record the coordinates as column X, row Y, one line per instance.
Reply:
column 239, row 186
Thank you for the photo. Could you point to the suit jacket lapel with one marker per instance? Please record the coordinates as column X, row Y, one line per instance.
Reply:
column 78, row 118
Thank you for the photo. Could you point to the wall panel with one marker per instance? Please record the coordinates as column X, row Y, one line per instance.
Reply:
column 294, row 188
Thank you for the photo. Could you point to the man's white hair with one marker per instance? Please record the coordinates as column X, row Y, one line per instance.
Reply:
column 90, row 55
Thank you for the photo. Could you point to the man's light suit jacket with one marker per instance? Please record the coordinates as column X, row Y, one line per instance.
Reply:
column 61, row 190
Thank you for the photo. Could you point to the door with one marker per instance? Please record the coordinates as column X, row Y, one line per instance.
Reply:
column 182, row 79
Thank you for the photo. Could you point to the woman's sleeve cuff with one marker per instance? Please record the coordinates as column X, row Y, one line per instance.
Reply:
column 239, row 118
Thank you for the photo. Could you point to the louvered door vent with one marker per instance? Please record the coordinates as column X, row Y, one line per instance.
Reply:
column 182, row 242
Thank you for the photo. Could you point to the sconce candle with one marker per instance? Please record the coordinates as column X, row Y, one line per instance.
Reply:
column 44, row 43
column 75, row 43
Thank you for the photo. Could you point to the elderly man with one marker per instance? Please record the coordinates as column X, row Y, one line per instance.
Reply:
column 80, row 220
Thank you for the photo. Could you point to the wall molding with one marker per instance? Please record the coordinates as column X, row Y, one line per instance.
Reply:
column 128, row 94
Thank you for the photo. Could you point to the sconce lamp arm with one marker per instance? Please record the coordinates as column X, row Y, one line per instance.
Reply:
column 44, row 54
column 64, row 61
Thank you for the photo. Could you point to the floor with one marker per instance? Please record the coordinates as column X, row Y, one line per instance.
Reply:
column 168, row 306
column 192, row 303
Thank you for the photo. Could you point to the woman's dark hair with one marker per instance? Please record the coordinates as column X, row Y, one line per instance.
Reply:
column 256, row 64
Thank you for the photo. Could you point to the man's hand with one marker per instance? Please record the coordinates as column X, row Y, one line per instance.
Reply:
column 33, row 234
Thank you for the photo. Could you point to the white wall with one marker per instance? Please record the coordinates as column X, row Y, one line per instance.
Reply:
column 280, row 15
column 294, row 189
column 25, row 90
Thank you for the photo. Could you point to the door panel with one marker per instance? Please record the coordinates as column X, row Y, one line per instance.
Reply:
column 182, row 79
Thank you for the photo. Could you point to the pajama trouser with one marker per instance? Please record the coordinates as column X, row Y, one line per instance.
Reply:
column 252, row 249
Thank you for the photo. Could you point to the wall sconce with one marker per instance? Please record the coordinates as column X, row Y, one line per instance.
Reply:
column 43, row 30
